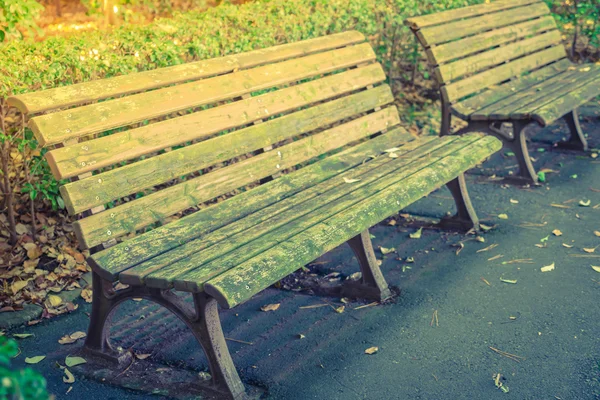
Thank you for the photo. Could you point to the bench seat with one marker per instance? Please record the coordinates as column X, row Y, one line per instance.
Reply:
column 281, row 226
column 501, row 64
column 545, row 101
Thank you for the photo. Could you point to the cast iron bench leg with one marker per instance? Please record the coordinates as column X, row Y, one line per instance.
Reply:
column 202, row 319
column 518, row 145
column 372, row 284
column 576, row 141
column 465, row 218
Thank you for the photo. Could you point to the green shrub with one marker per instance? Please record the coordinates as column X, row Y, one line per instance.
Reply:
column 18, row 14
column 25, row 384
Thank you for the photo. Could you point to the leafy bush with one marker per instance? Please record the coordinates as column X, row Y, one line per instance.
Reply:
column 25, row 384
column 18, row 14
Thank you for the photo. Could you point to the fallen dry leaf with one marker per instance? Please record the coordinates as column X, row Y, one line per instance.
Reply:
column 73, row 361
column 547, row 268
column 585, row 203
column 417, row 234
column 511, row 281
column 597, row 233
column 568, row 246
column 514, row 201
column 589, row 250
column 86, row 294
column 595, row 268
column 142, row 356
column 270, row 307
column 22, row 335
column 372, row 350
column 347, row 180
column 69, row 377
column 34, row 360
column 385, row 250
column 557, row 232
column 54, row 300
column 340, row 309
column 502, row 216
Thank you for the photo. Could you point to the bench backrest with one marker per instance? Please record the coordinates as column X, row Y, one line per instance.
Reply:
column 477, row 47
column 163, row 141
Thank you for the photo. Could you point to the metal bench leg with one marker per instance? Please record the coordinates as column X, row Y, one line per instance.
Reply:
column 577, row 140
column 372, row 284
column 465, row 218
column 104, row 301
column 203, row 320
column 208, row 332
column 518, row 145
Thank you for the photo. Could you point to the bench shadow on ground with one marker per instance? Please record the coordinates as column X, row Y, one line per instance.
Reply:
column 308, row 349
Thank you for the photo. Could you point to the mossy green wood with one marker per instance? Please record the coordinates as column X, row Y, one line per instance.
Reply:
column 114, row 184
column 445, row 17
column 473, row 64
column 461, row 48
column 80, row 158
column 240, row 283
column 191, row 272
column 559, row 107
column 51, row 99
column 466, row 109
column 136, row 214
column 459, row 29
column 162, row 270
column 527, row 101
column 457, row 90
column 109, row 262
column 95, row 118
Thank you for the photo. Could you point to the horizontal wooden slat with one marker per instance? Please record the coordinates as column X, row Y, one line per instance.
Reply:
column 146, row 210
column 475, row 83
column 162, row 270
column 465, row 109
column 466, row 27
column 461, row 48
column 114, row 184
column 445, row 17
column 95, row 118
column 479, row 62
column 111, row 261
column 69, row 161
column 533, row 96
column 557, row 108
column 238, row 284
column 101, row 89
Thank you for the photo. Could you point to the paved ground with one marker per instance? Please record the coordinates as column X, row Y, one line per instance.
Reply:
column 556, row 327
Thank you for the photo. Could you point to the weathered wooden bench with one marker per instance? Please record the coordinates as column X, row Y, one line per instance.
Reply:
column 503, row 62
column 300, row 142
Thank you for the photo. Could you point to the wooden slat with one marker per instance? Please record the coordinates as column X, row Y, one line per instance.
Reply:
column 475, row 83
column 96, row 118
column 69, row 161
column 120, row 182
column 474, row 44
column 134, row 251
column 466, row 27
column 530, row 99
column 31, row 103
column 559, row 107
column 466, row 108
column 482, row 61
column 240, row 283
column 189, row 273
column 161, row 271
column 157, row 206
column 445, row 17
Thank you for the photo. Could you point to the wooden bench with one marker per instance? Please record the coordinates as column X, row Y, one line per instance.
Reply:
column 504, row 62
column 300, row 142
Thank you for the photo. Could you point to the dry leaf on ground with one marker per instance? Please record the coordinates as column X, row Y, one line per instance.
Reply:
column 557, row 232
column 547, row 268
column 372, row 350
column 270, row 307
